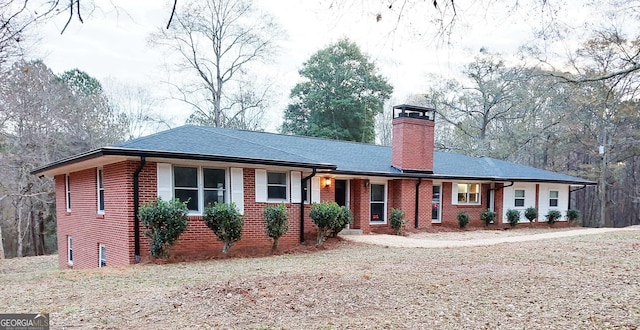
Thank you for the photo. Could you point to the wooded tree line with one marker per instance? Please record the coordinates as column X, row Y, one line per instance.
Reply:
column 531, row 114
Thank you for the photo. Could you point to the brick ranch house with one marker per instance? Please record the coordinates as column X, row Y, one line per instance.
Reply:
column 98, row 193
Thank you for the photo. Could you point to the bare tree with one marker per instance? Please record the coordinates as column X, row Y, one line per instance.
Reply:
column 136, row 108
column 217, row 42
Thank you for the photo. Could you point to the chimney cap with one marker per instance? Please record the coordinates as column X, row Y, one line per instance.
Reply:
column 413, row 111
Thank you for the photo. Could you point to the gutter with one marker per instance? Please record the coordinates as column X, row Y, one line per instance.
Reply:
column 417, row 199
column 302, row 202
column 572, row 190
column 136, row 201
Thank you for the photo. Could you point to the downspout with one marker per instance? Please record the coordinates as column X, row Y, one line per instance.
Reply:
column 570, row 191
column 136, row 200
column 302, row 202
column 417, row 199
column 496, row 189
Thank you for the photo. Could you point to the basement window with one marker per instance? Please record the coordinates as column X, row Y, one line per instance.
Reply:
column 102, row 256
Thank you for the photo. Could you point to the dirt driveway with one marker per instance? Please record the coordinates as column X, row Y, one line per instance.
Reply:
column 476, row 238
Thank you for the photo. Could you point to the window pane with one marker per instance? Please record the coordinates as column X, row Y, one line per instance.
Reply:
column 553, row 202
column 276, row 178
column 519, row 202
column 377, row 212
column 213, row 178
column 474, row 188
column 436, row 193
column 553, row 194
column 435, row 211
column 100, row 183
column 520, row 193
column 213, row 196
column 462, row 188
column 276, row 192
column 185, row 177
column 462, row 197
column 101, row 200
column 377, row 193
column 186, row 194
column 473, row 198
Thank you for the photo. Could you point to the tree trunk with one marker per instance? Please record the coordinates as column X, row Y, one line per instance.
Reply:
column 32, row 228
column 274, row 247
column 41, row 240
column 1, row 245
column 18, row 217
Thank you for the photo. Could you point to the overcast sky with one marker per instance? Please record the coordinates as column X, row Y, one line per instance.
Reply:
column 112, row 43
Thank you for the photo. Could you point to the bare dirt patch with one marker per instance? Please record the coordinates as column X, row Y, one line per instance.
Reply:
column 581, row 282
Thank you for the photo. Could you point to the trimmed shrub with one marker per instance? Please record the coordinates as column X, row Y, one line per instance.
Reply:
column 330, row 219
column 165, row 221
column 276, row 220
column 463, row 219
column 343, row 220
column 531, row 213
column 487, row 216
column 553, row 216
column 397, row 221
column 513, row 217
column 573, row 215
column 225, row 221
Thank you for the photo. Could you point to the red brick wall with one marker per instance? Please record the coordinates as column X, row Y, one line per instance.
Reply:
column 87, row 228
column 412, row 144
column 450, row 211
column 499, row 203
column 360, row 197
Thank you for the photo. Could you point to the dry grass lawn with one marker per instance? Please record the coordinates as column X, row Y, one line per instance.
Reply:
column 585, row 282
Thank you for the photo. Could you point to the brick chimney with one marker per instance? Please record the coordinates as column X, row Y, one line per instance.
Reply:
column 412, row 141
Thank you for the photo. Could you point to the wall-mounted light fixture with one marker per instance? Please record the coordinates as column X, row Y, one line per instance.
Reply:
column 327, row 182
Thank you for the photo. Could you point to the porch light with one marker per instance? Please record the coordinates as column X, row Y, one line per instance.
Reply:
column 327, row 182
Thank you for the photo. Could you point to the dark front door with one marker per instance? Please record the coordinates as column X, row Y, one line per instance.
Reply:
column 341, row 192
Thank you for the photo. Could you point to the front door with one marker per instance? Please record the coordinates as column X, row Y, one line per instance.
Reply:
column 341, row 192
column 436, row 211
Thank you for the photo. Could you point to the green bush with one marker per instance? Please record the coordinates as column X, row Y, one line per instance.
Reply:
column 397, row 221
column 531, row 213
column 226, row 223
column 553, row 216
column 463, row 219
column 487, row 216
column 165, row 221
column 513, row 217
column 343, row 220
column 330, row 219
column 573, row 215
column 276, row 222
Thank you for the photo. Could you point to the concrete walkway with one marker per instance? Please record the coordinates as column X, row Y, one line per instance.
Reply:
column 421, row 242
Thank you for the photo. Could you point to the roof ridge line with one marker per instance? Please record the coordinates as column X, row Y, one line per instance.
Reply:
column 252, row 142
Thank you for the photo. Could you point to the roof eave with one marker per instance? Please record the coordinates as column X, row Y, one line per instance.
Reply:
column 111, row 151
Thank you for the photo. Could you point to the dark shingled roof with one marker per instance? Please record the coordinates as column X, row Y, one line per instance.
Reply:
column 345, row 157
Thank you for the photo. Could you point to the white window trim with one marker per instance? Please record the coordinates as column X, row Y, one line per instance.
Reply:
column 557, row 207
column 100, row 247
column 67, row 193
column 287, row 188
column 99, row 171
column 384, row 213
column 200, row 185
column 69, row 250
column 454, row 193
column 523, row 198
column 439, row 220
